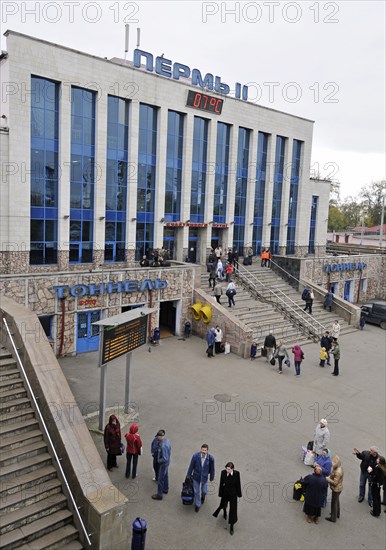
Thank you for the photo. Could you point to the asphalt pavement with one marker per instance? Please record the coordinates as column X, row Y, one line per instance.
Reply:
column 250, row 415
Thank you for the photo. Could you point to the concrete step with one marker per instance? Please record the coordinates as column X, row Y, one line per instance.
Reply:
column 4, row 353
column 9, row 395
column 20, row 439
column 32, row 512
column 10, row 384
column 16, row 420
column 20, row 454
column 65, row 537
column 29, row 495
column 14, row 405
column 26, row 466
column 7, row 361
column 37, row 529
column 9, row 374
column 26, row 480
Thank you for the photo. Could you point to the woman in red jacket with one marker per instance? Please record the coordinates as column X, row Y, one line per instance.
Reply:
column 133, row 450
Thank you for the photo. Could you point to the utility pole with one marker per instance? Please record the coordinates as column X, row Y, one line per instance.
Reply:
column 382, row 222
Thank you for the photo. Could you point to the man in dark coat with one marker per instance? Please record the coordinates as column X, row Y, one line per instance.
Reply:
column 229, row 490
column 326, row 342
column 112, row 441
column 368, row 458
column 200, row 469
column 270, row 345
column 315, row 486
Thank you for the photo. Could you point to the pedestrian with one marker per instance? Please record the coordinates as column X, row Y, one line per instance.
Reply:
column 211, row 339
column 281, row 352
column 231, row 292
column 200, row 469
column 217, row 291
column 321, row 437
column 270, row 345
column 212, row 259
column 326, row 342
column 218, row 335
column 368, row 458
column 315, row 486
column 335, row 331
column 376, row 476
column 325, row 462
column 144, row 262
column 228, row 272
column 335, row 481
column 335, row 351
column 218, row 251
column 328, row 299
column 362, row 322
column 112, row 441
column 250, row 254
column 220, row 269
column 133, row 450
column 263, row 257
column 268, row 258
column 163, row 459
column 309, row 301
column 187, row 329
column 154, row 454
column 323, row 357
column 212, row 275
column 298, row 358
column 229, row 490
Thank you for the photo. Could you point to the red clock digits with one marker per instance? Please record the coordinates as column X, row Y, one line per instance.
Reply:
column 217, row 109
column 197, row 100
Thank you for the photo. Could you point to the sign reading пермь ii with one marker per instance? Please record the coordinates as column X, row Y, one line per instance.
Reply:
column 344, row 267
column 121, row 339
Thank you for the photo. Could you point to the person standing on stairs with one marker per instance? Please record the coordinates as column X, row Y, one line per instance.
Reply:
column 231, row 292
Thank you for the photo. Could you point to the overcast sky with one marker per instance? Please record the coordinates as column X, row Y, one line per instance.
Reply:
column 320, row 60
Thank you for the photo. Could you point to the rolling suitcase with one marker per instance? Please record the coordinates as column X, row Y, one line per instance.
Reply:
column 253, row 351
column 187, row 493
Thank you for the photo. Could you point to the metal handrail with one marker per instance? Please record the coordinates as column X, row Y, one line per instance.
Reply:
column 286, row 305
column 43, row 424
column 300, row 283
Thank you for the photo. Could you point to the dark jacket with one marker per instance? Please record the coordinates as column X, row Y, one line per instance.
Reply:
column 315, row 486
column 230, row 486
column 134, row 443
column 376, row 476
column 367, row 460
column 325, row 342
column 199, row 473
column 270, row 341
column 112, row 436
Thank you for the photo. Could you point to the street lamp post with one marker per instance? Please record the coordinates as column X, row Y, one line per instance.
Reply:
column 382, row 221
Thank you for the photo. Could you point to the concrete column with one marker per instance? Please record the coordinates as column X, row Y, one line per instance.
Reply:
column 183, row 233
column 232, row 184
column 251, row 185
column 285, row 194
column 100, row 177
column 268, row 197
column 209, row 191
column 64, row 177
column 132, row 179
column 159, row 208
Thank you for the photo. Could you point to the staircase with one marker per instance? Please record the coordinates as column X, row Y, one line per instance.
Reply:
column 262, row 317
column 34, row 511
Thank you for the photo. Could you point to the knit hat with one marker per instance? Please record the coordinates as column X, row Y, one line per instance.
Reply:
column 323, row 421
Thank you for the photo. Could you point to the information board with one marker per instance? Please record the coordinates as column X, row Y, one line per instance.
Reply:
column 123, row 338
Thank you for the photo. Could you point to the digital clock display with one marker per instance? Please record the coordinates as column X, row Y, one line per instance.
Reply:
column 204, row 102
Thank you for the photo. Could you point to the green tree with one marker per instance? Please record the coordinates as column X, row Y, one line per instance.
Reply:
column 371, row 197
column 336, row 219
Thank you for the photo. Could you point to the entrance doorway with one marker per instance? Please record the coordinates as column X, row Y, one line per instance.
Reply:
column 168, row 242
column 167, row 318
column 87, row 334
column 216, row 238
column 347, row 291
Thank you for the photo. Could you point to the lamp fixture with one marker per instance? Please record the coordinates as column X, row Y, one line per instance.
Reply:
column 269, row 223
column 251, row 223
column 102, row 218
column 66, row 217
column 187, row 221
column 231, row 223
column 162, row 220
column 210, row 223
column 133, row 219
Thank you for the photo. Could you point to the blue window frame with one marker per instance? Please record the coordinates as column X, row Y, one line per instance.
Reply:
column 82, row 178
column 222, row 171
column 116, row 178
column 261, row 175
column 44, row 171
column 174, row 153
column 241, row 189
column 147, row 161
column 277, row 193
column 199, row 168
column 314, row 211
column 293, row 196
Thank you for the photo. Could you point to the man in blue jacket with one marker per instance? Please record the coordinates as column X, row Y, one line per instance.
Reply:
column 163, row 461
column 201, row 467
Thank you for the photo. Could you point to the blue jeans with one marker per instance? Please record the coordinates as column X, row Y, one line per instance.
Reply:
column 297, row 367
column 197, row 485
column 362, row 486
column 163, row 479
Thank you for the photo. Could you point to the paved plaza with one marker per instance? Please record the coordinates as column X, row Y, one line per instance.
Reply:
column 250, row 415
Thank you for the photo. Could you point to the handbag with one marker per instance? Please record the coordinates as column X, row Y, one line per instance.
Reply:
column 310, row 446
column 288, row 363
column 264, row 352
column 122, row 448
column 273, row 361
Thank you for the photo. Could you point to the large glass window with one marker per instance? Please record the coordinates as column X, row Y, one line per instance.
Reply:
column 241, row 189
column 147, row 161
column 314, row 211
column 116, row 178
column 44, row 171
column 222, row 171
column 173, row 179
column 82, row 177
column 261, row 175
column 293, row 197
column 277, row 193
column 199, row 168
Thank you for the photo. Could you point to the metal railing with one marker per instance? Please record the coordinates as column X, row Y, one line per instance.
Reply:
column 281, row 302
column 44, row 426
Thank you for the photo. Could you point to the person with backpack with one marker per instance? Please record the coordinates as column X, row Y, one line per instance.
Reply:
column 309, row 301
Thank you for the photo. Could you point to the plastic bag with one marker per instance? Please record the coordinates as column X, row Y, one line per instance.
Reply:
column 288, row 363
column 227, row 348
column 309, row 459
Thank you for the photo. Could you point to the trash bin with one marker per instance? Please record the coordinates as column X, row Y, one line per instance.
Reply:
column 188, row 329
column 139, row 534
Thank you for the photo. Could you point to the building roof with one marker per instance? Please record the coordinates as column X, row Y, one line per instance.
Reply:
column 373, row 229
